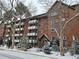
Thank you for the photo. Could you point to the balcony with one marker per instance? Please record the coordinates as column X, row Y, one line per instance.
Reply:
column 22, row 23
column 5, row 22
column 32, row 41
column 31, row 34
column 19, row 34
column 33, row 21
column 16, row 40
column 8, row 30
column 17, row 29
column 9, row 21
column 7, row 35
column 32, row 27
column 8, row 26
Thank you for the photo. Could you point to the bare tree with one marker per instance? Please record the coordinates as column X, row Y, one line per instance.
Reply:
column 62, row 27
column 11, row 13
column 46, row 4
column 5, row 9
column 32, row 8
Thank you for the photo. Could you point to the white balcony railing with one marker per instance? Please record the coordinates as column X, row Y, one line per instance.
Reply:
column 33, row 21
column 32, row 27
column 8, row 30
column 22, row 23
column 17, row 29
column 8, row 26
column 16, row 40
column 31, row 34
column 7, row 35
column 9, row 21
column 5, row 22
column 18, row 34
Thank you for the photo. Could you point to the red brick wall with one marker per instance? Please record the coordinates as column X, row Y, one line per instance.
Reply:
column 42, row 26
column 1, row 30
column 72, row 29
column 25, row 28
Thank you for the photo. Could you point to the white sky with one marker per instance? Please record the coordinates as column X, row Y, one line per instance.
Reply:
column 71, row 2
column 40, row 8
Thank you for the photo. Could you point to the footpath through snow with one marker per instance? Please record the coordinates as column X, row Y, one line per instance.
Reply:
column 34, row 53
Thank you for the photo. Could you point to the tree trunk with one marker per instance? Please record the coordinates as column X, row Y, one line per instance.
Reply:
column 13, row 43
column 61, row 37
column 61, row 45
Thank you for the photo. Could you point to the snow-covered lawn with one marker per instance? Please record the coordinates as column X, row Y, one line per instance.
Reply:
column 54, row 54
column 34, row 54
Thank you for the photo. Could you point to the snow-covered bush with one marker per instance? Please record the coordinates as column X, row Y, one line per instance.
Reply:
column 55, row 48
column 72, row 51
column 23, row 44
column 77, row 57
column 75, row 47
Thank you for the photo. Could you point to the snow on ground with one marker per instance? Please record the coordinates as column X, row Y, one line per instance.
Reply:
column 2, row 57
column 34, row 53
column 54, row 54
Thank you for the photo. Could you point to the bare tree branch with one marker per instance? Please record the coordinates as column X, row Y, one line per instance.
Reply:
column 46, row 3
column 32, row 8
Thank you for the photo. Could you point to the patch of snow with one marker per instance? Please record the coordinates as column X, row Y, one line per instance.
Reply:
column 33, row 49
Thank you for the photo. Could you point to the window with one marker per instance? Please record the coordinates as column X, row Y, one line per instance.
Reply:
column 53, row 23
column 18, row 37
column 54, row 41
column 16, row 32
column 34, row 24
column 54, row 14
column 33, row 41
column 31, row 31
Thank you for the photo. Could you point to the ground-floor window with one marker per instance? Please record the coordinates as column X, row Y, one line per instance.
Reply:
column 54, row 41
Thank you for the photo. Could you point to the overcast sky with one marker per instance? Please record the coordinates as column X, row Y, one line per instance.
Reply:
column 39, row 6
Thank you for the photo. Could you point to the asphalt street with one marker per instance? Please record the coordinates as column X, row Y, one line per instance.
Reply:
column 5, row 54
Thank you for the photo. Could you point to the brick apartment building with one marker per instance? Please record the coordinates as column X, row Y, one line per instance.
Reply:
column 13, row 23
column 36, row 27
column 14, row 28
column 1, row 32
column 18, row 29
column 42, row 27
